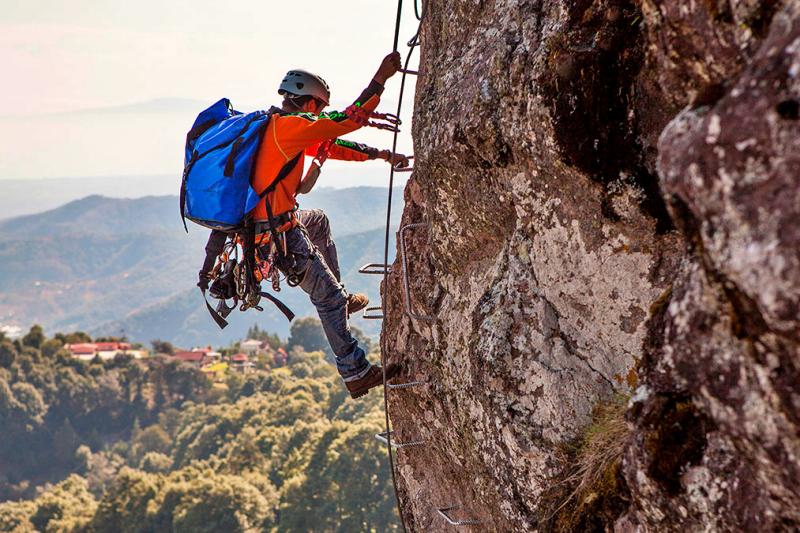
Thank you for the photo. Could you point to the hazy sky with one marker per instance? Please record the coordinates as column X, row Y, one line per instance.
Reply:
column 61, row 58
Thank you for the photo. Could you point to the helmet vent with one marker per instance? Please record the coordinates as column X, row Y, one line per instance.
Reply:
column 299, row 85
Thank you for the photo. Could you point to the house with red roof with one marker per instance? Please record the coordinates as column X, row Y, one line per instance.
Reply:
column 85, row 351
column 193, row 357
column 241, row 363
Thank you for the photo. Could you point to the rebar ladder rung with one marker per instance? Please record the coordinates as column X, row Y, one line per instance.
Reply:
column 375, row 268
column 443, row 513
column 369, row 313
column 397, row 445
column 407, row 385
column 405, row 169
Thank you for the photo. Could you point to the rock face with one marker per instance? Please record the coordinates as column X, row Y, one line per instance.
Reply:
column 609, row 201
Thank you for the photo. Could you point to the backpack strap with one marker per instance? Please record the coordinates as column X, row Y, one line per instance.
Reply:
column 249, row 236
column 280, row 305
column 221, row 322
column 285, row 170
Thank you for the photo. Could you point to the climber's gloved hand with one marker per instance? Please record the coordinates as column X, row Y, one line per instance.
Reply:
column 396, row 160
column 388, row 68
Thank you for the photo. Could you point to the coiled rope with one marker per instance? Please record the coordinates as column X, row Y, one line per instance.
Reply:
column 412, row 43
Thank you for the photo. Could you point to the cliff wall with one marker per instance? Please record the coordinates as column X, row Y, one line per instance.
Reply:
column 609, row 198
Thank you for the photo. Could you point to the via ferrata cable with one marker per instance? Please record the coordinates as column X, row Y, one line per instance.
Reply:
column 412, row 45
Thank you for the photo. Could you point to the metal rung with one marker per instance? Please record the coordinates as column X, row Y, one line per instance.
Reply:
column 443, row 513
column 405, row 169
column 406, row 385
column 407, row 291
column 373, row 316
column 375, row 268
column 397, row 445
column 412, row 72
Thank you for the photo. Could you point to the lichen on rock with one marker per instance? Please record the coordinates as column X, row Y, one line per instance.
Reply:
column 609, row 192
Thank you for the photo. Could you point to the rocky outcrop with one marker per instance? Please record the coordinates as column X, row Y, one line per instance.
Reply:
column 610, row 198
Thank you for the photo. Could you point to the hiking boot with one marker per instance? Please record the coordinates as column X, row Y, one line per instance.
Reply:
column 371, row 379
column 356, row 302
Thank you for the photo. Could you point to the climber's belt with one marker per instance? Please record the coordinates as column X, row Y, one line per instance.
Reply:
column 285, row 222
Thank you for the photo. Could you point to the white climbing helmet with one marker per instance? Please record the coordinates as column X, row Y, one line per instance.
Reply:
column 302, row 83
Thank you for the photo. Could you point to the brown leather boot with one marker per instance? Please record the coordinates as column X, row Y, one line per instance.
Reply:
column 356, row 302
column 371, row 379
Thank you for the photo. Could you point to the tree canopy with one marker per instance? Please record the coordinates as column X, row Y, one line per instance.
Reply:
column 146, row 446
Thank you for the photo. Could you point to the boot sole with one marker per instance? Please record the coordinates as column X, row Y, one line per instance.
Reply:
column 356, row 395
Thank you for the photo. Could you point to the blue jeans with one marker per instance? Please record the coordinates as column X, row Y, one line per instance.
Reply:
column 326, row 292
column 319, row 231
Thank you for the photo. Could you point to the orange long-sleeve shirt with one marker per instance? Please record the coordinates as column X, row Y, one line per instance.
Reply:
column 290, row 134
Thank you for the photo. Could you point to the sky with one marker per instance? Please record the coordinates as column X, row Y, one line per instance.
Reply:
column 109, row 87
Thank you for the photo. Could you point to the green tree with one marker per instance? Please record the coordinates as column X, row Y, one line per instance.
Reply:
column 123, row 508
column 151, row 439
column 210, row 504
column 66, row 502
column 51, row 347
column 22, row 408
column 15, row 516
column 8, row 353
column 307, row 333
column 154, row 463
column 65, row 442
column 34, row 338
column 160, row 346
column 275, row 341
column 122, row 338
column 254, row 332
column 77, row 337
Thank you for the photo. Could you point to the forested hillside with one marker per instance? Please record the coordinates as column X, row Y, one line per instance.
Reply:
column 154, row 446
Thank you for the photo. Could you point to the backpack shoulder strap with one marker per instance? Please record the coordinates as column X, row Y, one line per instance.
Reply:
column 285, row 171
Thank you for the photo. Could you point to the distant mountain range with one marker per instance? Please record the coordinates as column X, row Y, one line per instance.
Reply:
column 110, row 266
column 28, row 196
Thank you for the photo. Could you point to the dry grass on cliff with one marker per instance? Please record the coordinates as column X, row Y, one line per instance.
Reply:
column 590, row 492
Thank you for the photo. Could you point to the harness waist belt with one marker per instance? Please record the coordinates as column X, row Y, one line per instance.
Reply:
column 284, row 219
column 285, row 222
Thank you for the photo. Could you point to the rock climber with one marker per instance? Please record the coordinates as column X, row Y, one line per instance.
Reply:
column 302, row 128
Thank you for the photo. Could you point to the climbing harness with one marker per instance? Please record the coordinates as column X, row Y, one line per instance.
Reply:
column 385, row 268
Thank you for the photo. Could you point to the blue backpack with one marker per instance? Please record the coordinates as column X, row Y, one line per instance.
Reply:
column 221, row 151
column 220, row 157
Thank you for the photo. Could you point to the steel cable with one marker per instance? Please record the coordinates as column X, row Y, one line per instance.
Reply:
column 386, row 244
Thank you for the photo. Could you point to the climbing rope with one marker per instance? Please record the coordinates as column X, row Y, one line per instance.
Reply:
column 411, row 44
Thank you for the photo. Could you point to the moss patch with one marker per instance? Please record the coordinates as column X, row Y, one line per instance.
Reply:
column 590, row 493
